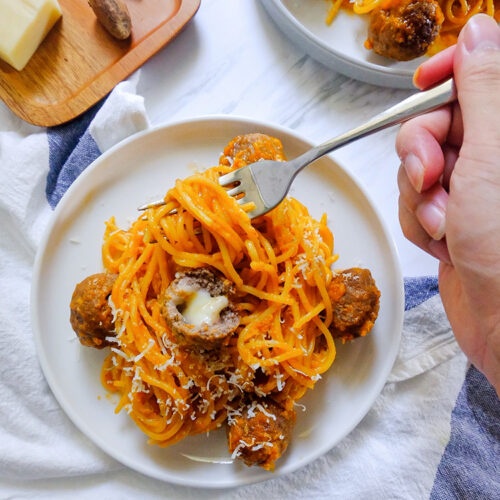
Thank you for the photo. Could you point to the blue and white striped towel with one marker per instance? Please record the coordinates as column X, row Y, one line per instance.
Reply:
column 433, row 432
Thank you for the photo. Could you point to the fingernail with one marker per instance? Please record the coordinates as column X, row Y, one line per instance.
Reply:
column 415, row 78
column 432, row 219
column 481, row 32
column 415, row 171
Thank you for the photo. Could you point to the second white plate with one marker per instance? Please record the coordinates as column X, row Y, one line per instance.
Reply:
column 340, row 45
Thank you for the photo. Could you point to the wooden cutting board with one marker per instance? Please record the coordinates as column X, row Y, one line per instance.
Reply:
column 78, row 63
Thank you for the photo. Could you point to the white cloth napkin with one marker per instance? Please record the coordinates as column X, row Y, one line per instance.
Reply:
column 393, row 453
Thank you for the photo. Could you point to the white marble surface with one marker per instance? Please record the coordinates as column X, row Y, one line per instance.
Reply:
column 232, row 59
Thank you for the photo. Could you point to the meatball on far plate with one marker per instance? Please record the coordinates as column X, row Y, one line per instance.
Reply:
column 198, row 308
column 260, row 435
column 355, row 299
column 404, row 29
column 91, row 315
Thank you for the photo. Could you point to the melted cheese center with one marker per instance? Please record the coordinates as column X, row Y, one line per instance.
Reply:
column 202, row 308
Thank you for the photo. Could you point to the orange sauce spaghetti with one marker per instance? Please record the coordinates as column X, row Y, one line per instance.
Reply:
column 280, row 265
column 456, row 14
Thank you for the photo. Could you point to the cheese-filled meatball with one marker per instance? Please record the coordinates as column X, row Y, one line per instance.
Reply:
column 198, row 308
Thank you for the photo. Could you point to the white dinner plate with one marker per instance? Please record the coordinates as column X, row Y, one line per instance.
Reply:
column 340, row 45
column 141, row 169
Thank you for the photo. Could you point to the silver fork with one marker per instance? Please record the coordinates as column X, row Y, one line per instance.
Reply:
column 266, row 182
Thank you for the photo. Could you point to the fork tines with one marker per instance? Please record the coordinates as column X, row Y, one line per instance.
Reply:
column 246, row 186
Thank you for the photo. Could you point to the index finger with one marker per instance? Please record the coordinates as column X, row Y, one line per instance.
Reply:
column 419, row 146
column 436, row 69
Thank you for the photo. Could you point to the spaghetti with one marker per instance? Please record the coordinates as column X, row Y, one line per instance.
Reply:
column 456, row 14
column 280, row 265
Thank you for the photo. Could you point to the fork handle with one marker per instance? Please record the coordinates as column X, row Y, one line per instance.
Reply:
column 414, row 105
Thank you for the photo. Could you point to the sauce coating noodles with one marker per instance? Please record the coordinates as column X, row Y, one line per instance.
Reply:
column 280, row 265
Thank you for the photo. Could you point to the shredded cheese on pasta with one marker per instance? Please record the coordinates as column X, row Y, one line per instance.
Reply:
column 280, row 266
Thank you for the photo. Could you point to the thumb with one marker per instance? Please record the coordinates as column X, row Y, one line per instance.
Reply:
column 472, row 224
column 477, row 76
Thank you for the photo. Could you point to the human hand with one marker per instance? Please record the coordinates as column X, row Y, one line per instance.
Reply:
column 449, row 186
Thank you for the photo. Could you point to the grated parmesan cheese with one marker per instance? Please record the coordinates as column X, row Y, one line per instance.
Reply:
column 266, row 413
column 242, row 444
column 169, row 362
column 258, row 406
column 188, row 384
column 137, row 383
column 151, row 343
column 257, row 447
column 279, row 384
column 114, row 310
column 300, row 405
column 259, row 391
column 123, row 325
column 122, row 354
column 203, row 405
column 231, row 414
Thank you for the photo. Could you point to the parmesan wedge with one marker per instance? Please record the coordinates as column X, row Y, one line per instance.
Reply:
column 23, row 26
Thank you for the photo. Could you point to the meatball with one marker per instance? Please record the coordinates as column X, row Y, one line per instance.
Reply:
column 405, row 29
column 355, row 299
column 91, row 316
column 198, row 308
column 249, row 148
column 262, row 433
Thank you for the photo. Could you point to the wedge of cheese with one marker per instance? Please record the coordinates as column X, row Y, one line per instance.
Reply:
column 23, row 26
